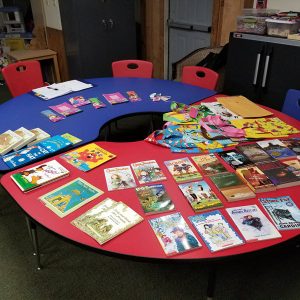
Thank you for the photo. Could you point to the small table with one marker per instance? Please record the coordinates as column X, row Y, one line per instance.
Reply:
column 20, row 55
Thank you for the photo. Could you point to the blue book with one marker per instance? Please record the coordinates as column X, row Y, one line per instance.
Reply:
column 55, row 143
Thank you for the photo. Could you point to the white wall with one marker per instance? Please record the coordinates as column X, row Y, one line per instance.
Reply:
column 287, row 5
column 52, row 14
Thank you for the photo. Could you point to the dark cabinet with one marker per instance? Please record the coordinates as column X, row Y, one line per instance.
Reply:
column 97, row 33
column 262, row 68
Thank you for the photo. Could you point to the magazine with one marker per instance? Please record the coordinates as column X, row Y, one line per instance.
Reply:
column 209, row 164
column 215, row 231
column 65, row 109
column 174, row 234
column 119, row 178
column 115, row 98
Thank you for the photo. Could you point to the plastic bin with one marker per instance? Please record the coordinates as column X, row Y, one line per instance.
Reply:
column 281, row 28
column 262, row 12
column 251, row 24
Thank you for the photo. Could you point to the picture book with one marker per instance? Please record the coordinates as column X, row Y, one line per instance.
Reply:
column 215, row 231
column 174, row 234
column 254, row 153
column 115, row 98
column 40, row 175
column 78, row 101
column 55, row 143
column 182, row 170
column 39, row 134
column 232, row 187
column 252, row 223
column 283, row 211
column 234, row 158
column 133, row 96
column 8, row 140
column 70, row 196
column 148, row 171
column 96, row 102
column 276, row 149
column 200, row 196
column 119, row 178
column 65, row 109
column 52, row 116
column 209, row 164
column 293, row 144
column 293, row 165
column 218, row 109
column 73, row 139
column 154, row 198
column 107, row 220
column 88, row 157
column 255, row 179
column 27, row 137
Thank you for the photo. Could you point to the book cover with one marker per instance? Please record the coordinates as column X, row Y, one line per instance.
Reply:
column 55, row 143
column 96, row 102
column 40, row 175
column 8, row 140
column 73, row 139
column 78, row 101
column 88, row 157
column 52, row 116
column 255, row 179
column 119, row 178
column 174, row 234
column 232, row 187
column 39, row 134
column 27, row 137
column 154, row 198
column 200, row 196
column 234, row 158
column 252, row 223
column 69, row 197
column 65, row 109
column 148, row 171
column 215, row 231
column 104, row 224
column 293, row 144
column 209, row 164
column 115, row 98
column 283, row 211
column 293, row 165
column 254, row 153
column 133, row 96
column 182, row 170
column 218, row 109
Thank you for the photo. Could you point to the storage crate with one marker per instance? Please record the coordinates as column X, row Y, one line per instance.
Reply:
column 15, row 44
column 251, row 24
column 281, row 28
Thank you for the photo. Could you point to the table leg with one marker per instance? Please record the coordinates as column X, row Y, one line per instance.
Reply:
column 211, row 283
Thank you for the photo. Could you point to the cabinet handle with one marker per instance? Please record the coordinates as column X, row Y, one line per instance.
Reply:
column 256, row 68
column 104, row 23
column 265, row 71
column 111, row 22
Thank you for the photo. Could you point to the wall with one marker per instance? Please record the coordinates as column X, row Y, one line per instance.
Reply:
column 286, row 5
column 52, row 14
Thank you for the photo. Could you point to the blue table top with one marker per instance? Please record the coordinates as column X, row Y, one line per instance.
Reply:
column 25, row 110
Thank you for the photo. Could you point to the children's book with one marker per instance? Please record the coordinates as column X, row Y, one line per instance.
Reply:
column 73, row 139
column 39, row 134
column 174, row 234
column 55, row 143
column 70, row 196
column 209, row 164
column 79, row 101
column 96, row 102
column 293, row 144
column 8, row 140
column 88, row 157
column 215, row 231
column 27, row 137
column 107, row 220
column 52, row 116
column 254, row 153
column 252, row 223
column 154, row 198
column 133, row 96
column 234, row 158
column 200, row 196
column 65, row 109
column 283, row 211
column 119, row 178
column 40, row 175
column 232, row 187
column 182, row 170
column 218, row 109
column 148, row 171
column 255, row 179
column 293, row 165
column 115, row 98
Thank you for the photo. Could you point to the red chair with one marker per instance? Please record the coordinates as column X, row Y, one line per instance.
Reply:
column 200, row 76
column 21, row 77
column 132, row 68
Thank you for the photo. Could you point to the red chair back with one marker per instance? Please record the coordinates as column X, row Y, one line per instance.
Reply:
column 21, row 77
column 200, row 76
column 132, row 68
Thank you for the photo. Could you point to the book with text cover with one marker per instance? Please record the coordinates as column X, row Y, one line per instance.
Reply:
column 174, row 234
column 215, row 231
column 234, row 158
column 55, row 143
column 27, row 137
column 65, row 109
column 52, row 116
column 254, row 153
column 154, row 198
column 73, row 139
column 209, row 164
column 115, row 98
column 88, row 157
column 252, row 223
column 8, row 140
column 292, row 165
column 40, row 175
column 200, row 196
column 69, row 197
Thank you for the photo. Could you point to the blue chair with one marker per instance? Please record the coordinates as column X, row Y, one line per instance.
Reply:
column 291, row 105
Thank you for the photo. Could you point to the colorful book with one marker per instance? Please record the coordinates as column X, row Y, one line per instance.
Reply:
column 78, row 101
column 254, row 153
column 70, row 196
column 293, row 165
column 51, row 115
column 252, row 223
column 174, row 234
column 182, row 170
column 119, row 178
column 39, row 134
column 96, row 102
column 115, row 98
column 133, row 96
column 148, row 171
column 209, row 164
column 293, row 144
column 215, row 231
column 55, row 143
column 88, row 157
column 27, row 137
column 65, row 109
column 283, row 211
column 73, row 139
column 232, row 187
column 218, row 109
column 8, row 140
column 200, row 196
column 234, row 158
column 40, row 175
column 154, row 199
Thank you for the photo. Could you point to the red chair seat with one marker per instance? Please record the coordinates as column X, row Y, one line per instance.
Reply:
column 132, row 68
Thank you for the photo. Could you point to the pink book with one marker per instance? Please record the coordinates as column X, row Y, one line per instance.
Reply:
column 65, row 109
column 115, row 98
